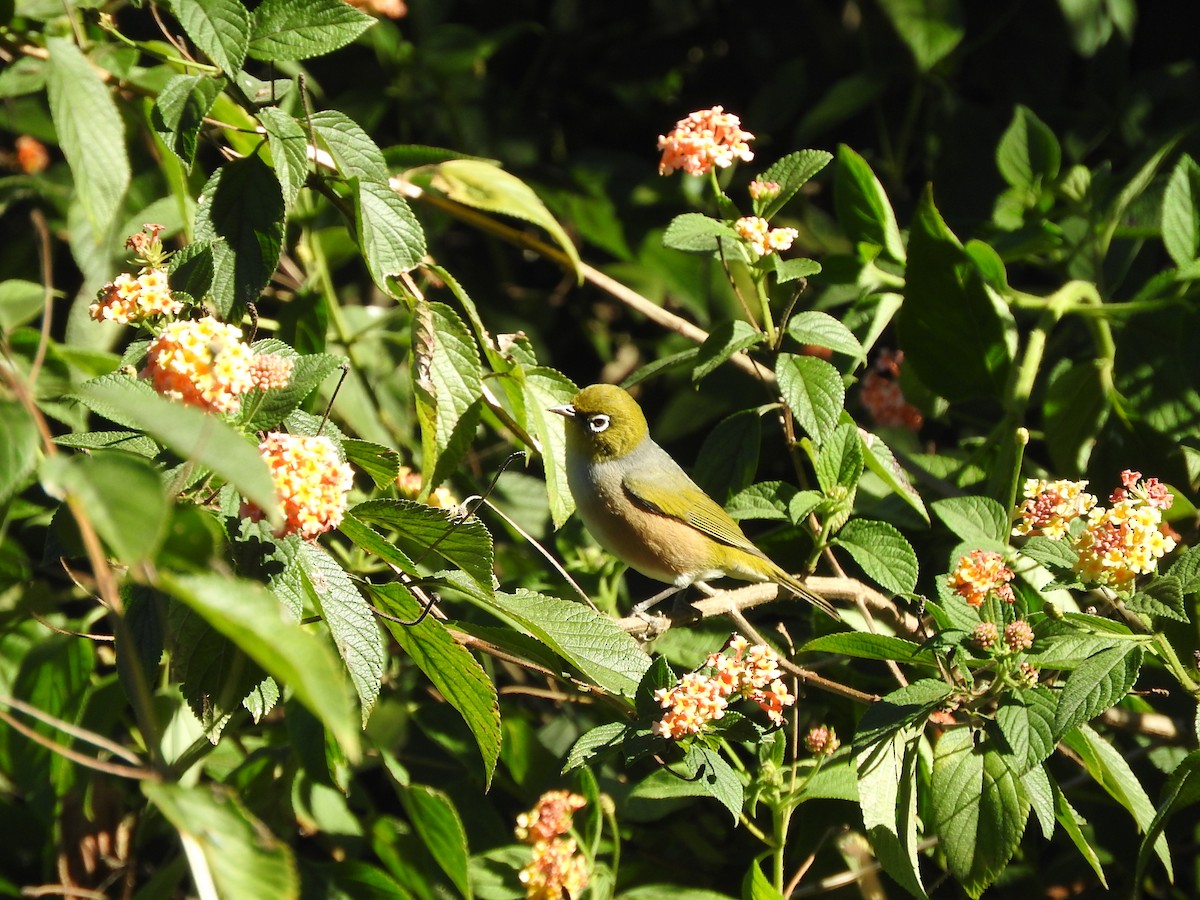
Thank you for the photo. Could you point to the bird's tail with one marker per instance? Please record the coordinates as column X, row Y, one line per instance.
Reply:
column 781, row 577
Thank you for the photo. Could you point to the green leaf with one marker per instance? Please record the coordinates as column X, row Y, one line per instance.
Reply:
column 1026, row 720
column 1181, row 212
column 266, row 409
column 440, row 829
column 863, row 209
column 932, row 29
column 697, row 233
column 1181, row 790
column 1056, row 553
column 120, row 493
column 220, row 28
column 381, row 463
column 389, row 235
column 302, row 29
column 974, row 520
column 902, row 708
column 793, row 269
column 724, row 341
column 289, row 151
column 484, row 185
column 813, row 391
column 1110, row 770
column 1071, row 822
column 728, row 457
column 1041, row 798
column 882, row 462
column 1028, row 155
column 448, row 384
column 1096, row 684
column 464, row 544
column 20, row 302
column 823, row 330
column 589, row 641
column 251, row 616
column 864, row 645
column 882, row 552
column 1162, row 598
column 18, row 450
column 90, row 133
column 230, row 852
column 887, row 792
column 544, row 389
column 352, row 149
column 756, row 885
column 241, row 210
column 592, row 743
column 350, row 621
column 179, row 112
column 1074, row 411
column 704, row 772
column 979, row 808
column 952, row 332
column 451, row 668
column 791, row 173
column 1186, row 569
column 840, row 460
column 192, row 434
column 766, row 500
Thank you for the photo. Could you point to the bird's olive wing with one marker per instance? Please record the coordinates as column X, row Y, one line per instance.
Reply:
column 683, row 499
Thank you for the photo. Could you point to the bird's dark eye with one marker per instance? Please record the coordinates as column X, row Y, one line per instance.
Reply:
column 597, row 423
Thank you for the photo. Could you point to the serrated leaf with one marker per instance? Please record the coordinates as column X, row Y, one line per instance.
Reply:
column 483, row 185
column 705, row 774
column 250, row 616
column 974, row 520
column 302, row 29
column 823, row 330
column 1041, row 798
column 389, row 235
column 546, row 388
column 791, row 173
column 1071, row 821
column 120, row 493
column 766, row 500
column 464, row 544
column 229, row 851
column 1026, row 720
column 1074, row 411
column 907, row 706
column 262, row 410
column 289, row 151
column 813, row 391
column 1057, row 554
column 728, row 457
column 980, row 808
column 189, row 432
column 129, row 441
column 592, row 743
column 18, row 450
column 90, row 133
column 350, row 620
column 449, row 666
column 589, row 641
column 1181, row 212
column 1186, row 569
column 179, row 112
column 863, row 208
column 191, row 268
column 1111, row 771
column 436, row 821
column 241, row 210
column 793, row 269
column 356, row 155
column 723, row 342
column 1096, row 684
column 1028, row 155
column 220, row 28
column 888, row 799
column 839, row 462
column 448, row 384
column 698, row 233
column 882, row 552
column 880, row 460
column 380, row 463
column 1162, row 598
column 1181, row 790
column 864, row 645
column 953, row 334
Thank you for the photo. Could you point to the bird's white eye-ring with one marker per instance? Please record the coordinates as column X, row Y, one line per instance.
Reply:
column 598, row 423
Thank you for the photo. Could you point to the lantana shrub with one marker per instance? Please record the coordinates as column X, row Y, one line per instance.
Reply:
column 282, row 615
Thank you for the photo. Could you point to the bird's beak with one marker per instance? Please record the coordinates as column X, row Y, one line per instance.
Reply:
column 567, row 411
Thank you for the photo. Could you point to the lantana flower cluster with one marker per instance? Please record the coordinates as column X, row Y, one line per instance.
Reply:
column 980, row 573
column 311, row 482
column 201, row 362
column 557, row 869
column 762, row 238
column 706, row 138
column 1116, row 543
column 129, row 299
column 742, row 672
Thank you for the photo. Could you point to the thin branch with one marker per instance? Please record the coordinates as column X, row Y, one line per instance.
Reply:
column 75, row 731
column 558, row 567
column 75, row 756
column 47, row 266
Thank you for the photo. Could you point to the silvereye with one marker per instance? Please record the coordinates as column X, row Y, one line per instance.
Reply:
column 644, row 509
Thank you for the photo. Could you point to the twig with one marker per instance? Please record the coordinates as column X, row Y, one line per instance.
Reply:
column 47, row 266
column 558, row 567
column 75, row 756
column 75, row 731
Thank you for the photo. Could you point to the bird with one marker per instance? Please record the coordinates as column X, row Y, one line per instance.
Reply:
column 644, row 509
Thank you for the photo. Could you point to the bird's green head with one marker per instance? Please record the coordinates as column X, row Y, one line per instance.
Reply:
column 603, row 422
